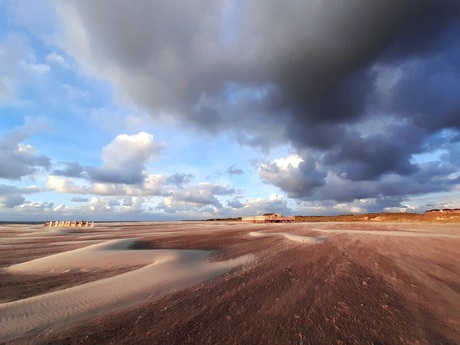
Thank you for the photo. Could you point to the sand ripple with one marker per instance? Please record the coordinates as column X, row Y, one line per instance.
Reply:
column 167, row 271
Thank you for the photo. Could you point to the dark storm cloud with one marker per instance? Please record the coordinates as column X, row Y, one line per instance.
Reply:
column 296, row 181
column 159, row 43
column 430, row 178
column 309, row 73
column 428, row 90
column 390, row 151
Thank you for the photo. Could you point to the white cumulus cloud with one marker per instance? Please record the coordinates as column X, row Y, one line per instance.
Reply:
column 125, row 158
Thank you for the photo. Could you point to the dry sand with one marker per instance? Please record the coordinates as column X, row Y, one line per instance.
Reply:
column 231, row 283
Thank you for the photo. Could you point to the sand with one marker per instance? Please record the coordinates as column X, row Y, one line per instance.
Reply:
column 165, row 271
column 288, row 236
column 231, row 283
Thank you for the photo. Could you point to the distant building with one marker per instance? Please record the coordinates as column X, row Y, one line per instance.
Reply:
column 268, row 218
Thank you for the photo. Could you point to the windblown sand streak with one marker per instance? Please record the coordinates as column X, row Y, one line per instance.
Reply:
column 291, row 237
column 319, row 283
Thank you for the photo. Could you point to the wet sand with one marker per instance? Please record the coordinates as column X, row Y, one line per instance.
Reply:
column 231, row 283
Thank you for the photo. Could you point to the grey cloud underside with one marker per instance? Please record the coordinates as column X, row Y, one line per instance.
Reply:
column 11, row 196
column 179, row 179
column 73, row 169
column 79, row 199
column 296, row 182
column 130, row 176
column 310, row 73
column 233, row 170
column 15, row 162
column 235, row 203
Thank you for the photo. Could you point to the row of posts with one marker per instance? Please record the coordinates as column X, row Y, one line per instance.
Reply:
column 68, row 224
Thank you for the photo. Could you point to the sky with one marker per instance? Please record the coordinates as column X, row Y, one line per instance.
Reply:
column 170, row 110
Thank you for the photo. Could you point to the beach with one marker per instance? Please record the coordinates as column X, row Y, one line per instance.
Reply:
column 230, row 283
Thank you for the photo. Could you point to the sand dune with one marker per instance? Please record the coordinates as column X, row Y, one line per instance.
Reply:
column 113, row 253
column 166, row 271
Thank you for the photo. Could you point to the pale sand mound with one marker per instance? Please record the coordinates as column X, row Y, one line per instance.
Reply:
column 169, row 270
column 109, row 254
column 291, row 237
